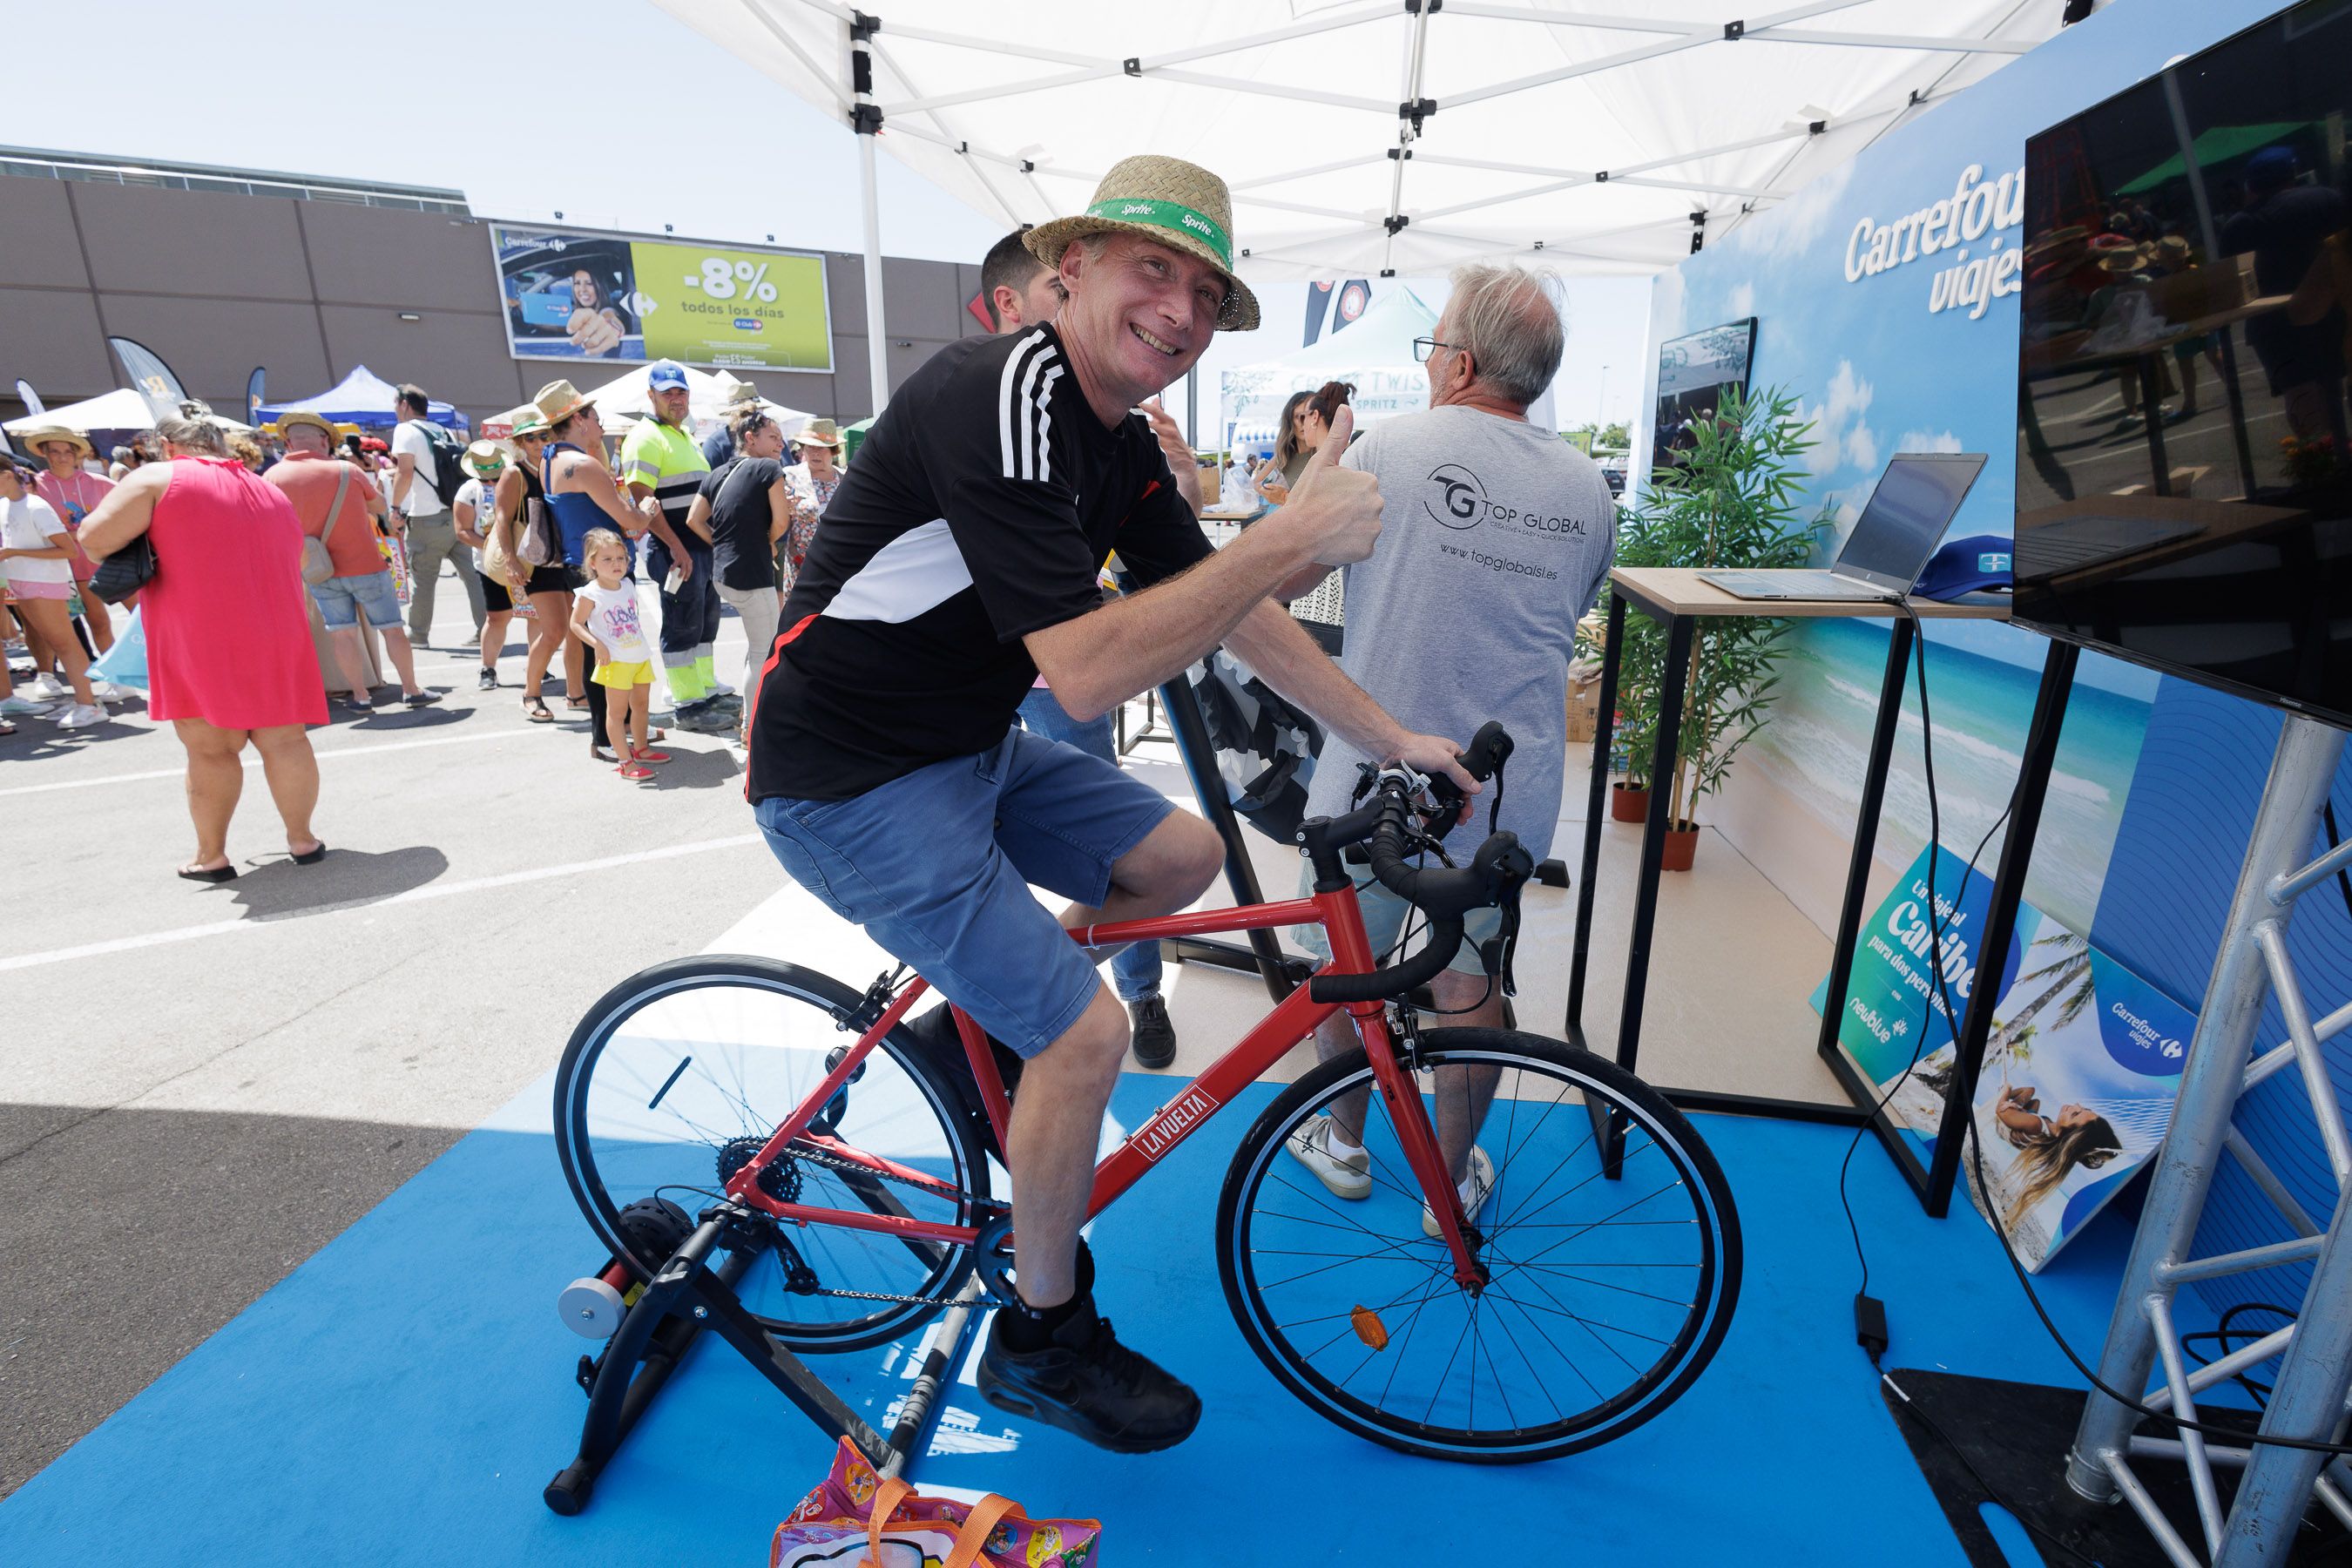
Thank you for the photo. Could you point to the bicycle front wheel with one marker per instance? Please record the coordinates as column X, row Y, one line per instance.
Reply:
column 1605, row 1298
column 682, row 1072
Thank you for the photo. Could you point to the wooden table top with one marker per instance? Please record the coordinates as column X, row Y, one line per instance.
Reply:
column 1678, row 591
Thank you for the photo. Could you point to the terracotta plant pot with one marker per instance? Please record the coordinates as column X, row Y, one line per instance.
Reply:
column 1627, row 804
column 1682, row 844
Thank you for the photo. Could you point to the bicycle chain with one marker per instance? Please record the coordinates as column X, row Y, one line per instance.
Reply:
column 835, row 1163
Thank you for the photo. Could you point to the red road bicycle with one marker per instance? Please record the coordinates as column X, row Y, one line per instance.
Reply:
column 1577, row 1302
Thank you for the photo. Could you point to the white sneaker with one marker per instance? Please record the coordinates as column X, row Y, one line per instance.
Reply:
column 46, row 688
column 20, row 706
column 1481, row 1181
column 81, row 716
column 107, row 691
column 1348, row 1176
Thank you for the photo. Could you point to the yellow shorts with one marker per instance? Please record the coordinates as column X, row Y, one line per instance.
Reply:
column 622, row 674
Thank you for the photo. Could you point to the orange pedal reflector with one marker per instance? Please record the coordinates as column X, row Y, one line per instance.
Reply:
column 1368, row 1328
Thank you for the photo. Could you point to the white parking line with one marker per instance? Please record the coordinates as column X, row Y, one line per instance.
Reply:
column 254, row 760
column 412, row 896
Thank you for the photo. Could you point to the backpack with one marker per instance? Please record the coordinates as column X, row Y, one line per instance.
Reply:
column 449, row 474
column 1265, row 746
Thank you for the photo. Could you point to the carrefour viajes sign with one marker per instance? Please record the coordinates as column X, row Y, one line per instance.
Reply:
column 1949, row 228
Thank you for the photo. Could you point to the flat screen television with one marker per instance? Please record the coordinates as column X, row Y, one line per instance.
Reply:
column 1694, row 371
column 2184, row 465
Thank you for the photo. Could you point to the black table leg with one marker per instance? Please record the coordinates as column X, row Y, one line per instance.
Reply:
column 2000, row 919
column 1679, row 630
column 1596, row 814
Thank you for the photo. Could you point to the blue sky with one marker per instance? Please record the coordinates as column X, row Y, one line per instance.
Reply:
column 652, row 124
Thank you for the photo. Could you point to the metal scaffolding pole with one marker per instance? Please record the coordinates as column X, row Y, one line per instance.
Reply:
column 865, row 119
column 2308, row 1403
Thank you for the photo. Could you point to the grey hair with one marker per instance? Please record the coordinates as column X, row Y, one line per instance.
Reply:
column 195, row 435
column 1509, row 319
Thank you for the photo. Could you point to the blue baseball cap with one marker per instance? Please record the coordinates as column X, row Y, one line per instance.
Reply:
column 665, row 374
column 2271, row 168
column 1979, row 563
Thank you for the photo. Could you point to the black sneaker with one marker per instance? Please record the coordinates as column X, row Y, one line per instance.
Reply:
column 420, row 699
column 705, row 716
column 488, row 681
column 1150, row 1034
column 1090, row 1385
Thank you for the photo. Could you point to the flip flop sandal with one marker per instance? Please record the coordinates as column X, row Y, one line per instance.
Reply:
column 535, row 709
column 313, row 856
column 210, row 874
column 577, row 704
column 633, row 770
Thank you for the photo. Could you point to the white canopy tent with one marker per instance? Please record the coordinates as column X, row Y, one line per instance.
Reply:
column 120, row 410
column 1375, row 352
column 1385, row 138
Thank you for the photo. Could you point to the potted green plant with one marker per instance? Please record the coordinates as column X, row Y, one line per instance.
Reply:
column 1731, row 502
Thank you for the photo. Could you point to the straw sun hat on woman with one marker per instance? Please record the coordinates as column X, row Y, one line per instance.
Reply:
column 1170, row 203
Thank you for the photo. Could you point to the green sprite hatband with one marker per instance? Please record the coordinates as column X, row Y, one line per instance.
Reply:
column 1169, row 215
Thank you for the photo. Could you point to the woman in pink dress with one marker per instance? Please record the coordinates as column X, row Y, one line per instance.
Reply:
column 228, row 637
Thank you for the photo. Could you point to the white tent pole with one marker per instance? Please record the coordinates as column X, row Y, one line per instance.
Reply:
column 1408, row 130
column 1893, row 41
column 1272, row 90
column 1022, row 47
column 1008, row 89
column 1331, row 21
column 866, row 121
column 1238, row 186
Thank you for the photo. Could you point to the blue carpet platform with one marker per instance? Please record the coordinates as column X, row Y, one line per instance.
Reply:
column 403, row 1396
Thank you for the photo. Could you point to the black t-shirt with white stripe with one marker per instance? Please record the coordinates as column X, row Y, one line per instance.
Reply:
column 980, row 508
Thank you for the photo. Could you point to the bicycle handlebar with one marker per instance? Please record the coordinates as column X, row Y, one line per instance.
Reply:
column 1445, row 895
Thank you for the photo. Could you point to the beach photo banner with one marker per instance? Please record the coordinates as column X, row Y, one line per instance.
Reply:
column 575, row 294
column 2079, row 1073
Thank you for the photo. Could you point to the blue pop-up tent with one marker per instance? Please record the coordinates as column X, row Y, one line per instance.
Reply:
column 361, row 397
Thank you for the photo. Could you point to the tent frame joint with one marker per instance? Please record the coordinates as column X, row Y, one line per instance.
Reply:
column 1734, row 31
column 1132, row 65
column 862, row 28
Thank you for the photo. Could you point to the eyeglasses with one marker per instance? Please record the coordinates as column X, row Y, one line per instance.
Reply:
column 1424, row 347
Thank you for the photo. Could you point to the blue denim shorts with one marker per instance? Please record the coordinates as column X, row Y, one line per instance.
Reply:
column 937, row 866
column 342, row 598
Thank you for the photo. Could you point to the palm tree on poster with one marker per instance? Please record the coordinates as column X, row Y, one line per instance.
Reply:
column 2070, row 986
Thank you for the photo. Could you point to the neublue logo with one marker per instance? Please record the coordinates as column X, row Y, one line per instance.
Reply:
column 1993, row 561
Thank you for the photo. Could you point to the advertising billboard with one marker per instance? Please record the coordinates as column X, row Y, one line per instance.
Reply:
column 573, row 294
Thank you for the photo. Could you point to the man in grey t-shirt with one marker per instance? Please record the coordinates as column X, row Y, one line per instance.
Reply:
column 1495, row 537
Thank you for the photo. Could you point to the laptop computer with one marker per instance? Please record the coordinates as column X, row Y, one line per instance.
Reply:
column 1909, row 508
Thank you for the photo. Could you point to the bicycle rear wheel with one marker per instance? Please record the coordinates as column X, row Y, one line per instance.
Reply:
column 680, row 1073
column 1605, row 1298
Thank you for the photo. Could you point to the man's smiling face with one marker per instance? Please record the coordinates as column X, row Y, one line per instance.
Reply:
column 1144, row 310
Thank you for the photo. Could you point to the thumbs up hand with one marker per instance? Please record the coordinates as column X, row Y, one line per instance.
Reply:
column 1337, row 510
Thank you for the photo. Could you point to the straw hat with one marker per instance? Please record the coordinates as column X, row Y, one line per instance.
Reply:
column 1180, row 205
column 486, row 457
column 818, row 433
column 294, row 416
column 35, row 438
column 743, row 394
column 559, row 401
column 532, row 422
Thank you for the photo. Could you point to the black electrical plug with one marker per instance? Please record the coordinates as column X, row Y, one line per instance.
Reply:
column 1869, row 1325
